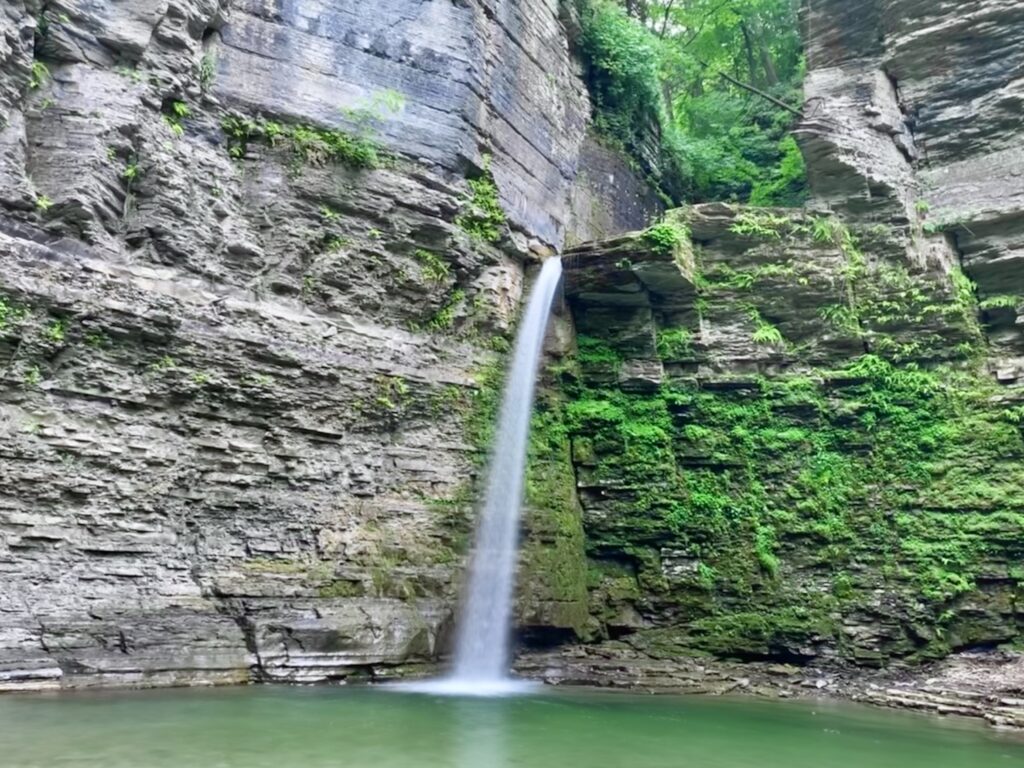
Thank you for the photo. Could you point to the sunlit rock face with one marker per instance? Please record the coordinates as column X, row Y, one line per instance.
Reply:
column 244, row 382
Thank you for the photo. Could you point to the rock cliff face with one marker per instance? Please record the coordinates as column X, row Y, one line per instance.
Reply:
column 810, row 451
column 251, row 317
column 754, row 485
column 262, row 261
column 895, row 135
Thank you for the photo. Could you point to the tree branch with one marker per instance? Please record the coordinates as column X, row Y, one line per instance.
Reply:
column 758, row 92
column 664, row 20
column 704, row 22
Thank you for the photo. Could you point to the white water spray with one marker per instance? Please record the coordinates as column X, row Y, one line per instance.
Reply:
column 483, row 647
column 482, row 650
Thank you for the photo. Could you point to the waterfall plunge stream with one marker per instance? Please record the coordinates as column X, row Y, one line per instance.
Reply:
column 482, row 653
column 483, row 648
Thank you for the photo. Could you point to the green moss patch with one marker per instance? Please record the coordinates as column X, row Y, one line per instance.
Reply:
column 765, row 518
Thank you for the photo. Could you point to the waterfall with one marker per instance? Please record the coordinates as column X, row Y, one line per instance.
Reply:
column 483, row 647
column 482, row 652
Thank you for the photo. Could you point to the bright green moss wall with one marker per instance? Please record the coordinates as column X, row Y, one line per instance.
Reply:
column 862, row 497
column 874, row 511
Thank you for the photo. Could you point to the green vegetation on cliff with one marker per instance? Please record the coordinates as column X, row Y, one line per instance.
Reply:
column 308, row 144
column 700, row 94
column 553, row 566
column 355, row 146
column 482, row 216
column 822, row 467
column 767, row 515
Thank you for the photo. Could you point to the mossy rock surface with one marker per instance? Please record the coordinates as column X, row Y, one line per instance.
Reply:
column 797, row 482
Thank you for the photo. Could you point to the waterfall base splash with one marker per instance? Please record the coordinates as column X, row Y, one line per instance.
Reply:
column 453, row 686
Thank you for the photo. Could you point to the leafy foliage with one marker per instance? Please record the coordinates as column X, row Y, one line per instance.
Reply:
column 1002, row 301
column 764, row 332
column 207, row 72
column 40, row 74
column 674, row 343
column 759, row 225
column 11, row 314
column 672, row 85
column 665, row 236
column 308, row 144
column 482, row 216
column 445, row 317
column 175, row 113
column 625, row 87
column 311, row 145
column 434, row 268
column 874, row 476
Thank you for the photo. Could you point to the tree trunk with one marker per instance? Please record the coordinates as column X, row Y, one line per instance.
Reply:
column 664, row 20
column 771, row 76
column 748, row 46
column 667, row 94
column 777, row 102
column 637, row 9
column 770, row 73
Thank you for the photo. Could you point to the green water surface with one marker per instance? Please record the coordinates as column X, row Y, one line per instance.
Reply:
column 262, row 727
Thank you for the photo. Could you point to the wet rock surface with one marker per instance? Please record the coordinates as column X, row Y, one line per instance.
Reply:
column 754, row 462
column 243, row 373
column 985, row 686
column 894, row 135
column 246, row 382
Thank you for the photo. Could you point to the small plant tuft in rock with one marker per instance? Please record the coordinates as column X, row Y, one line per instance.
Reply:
column 308, row 145
column 10, row 314
column 57, row 330
column 444, row 319
column 175, row 112
column 207, row 71
column 666, row 236
column 434, row 269
column 760, row 224
column 482, row 217
column 40, row 74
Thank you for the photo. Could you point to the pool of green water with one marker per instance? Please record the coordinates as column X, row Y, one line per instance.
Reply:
column 263, row 727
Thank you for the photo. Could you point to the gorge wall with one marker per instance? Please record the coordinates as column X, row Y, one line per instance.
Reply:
column 261, row 264
column 796, row 459
column 806, row 447
column 257, row 281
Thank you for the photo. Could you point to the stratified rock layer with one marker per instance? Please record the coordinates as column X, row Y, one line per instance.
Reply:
column 248, row 379
column 981, row 685
column 245, row 375
column 765, row 470
column 810, row 453
column 913, row 113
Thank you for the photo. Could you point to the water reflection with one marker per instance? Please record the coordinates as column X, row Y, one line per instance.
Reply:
column 481, row 733
column 367, row 728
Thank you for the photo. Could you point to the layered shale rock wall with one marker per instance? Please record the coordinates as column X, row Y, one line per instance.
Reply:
column 257, row 287
column 913, row 116
column 794, row 456
column 246, row 369
column 810, row 453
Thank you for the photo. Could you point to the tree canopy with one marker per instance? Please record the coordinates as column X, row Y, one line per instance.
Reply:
column 701, row 93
